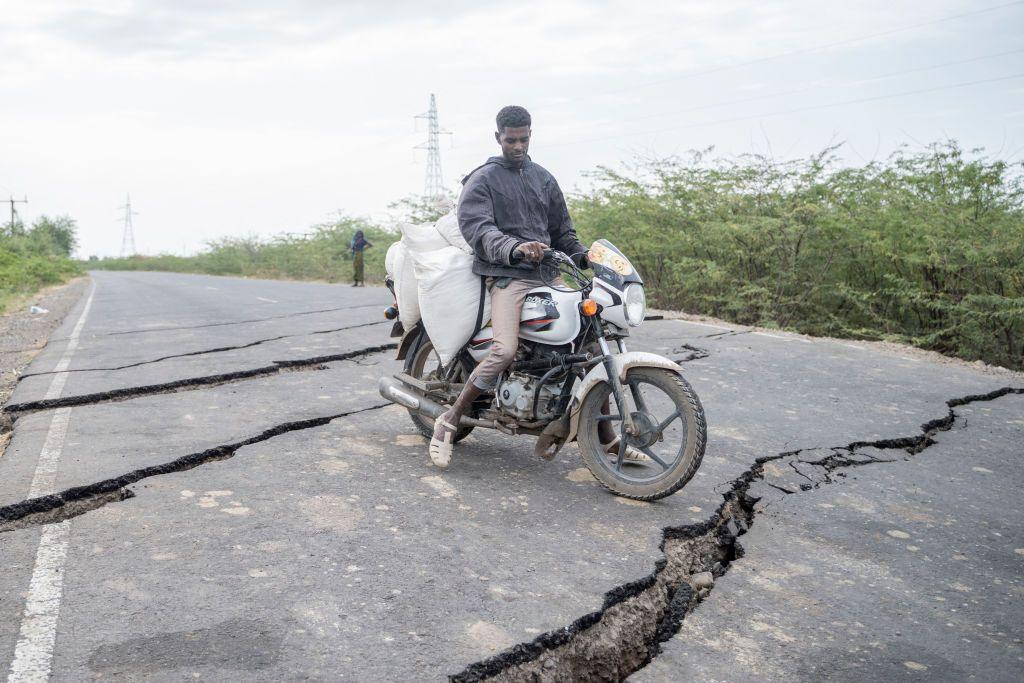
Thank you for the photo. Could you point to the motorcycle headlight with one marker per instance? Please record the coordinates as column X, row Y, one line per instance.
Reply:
column 635, row 304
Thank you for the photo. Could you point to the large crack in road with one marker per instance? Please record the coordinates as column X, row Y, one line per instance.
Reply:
column 689, row 352
column 220, row 349
column 15, row 410
column 72, row 502
column 226, row 323
column 635, row 618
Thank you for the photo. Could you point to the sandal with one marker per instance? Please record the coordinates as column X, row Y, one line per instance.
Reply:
column 633, row 455
column 441, row 449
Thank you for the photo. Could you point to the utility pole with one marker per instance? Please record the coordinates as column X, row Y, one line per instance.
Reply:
column 128, row 237
column 14, row 214
column 434, row 185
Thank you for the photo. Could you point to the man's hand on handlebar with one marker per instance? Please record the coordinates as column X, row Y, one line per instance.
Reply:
column 532, row 252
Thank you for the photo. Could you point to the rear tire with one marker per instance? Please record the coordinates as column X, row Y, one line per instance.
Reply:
column 416, row 365
column 679, row 471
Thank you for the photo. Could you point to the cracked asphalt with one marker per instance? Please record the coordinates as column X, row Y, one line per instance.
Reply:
column 233, row 530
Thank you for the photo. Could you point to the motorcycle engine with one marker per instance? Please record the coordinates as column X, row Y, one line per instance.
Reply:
column 515, row 396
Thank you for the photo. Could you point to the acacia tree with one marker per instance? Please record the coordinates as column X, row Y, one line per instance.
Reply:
column 55, row 235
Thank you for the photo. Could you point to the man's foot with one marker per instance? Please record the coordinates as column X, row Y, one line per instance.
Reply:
column 442, row 442
column 633, row 455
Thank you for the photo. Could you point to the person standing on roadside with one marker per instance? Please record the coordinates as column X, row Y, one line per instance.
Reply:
column 357, row 246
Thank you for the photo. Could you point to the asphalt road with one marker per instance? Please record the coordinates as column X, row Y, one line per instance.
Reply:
column 236, row 502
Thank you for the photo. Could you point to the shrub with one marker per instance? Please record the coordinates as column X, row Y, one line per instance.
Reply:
column 923, row 248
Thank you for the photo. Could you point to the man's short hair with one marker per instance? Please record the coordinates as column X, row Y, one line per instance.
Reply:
column 513, row 116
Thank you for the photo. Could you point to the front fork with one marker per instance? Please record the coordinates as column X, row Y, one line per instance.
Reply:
column 623, row 400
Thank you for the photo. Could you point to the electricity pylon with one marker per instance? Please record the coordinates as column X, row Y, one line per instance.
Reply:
column 434, row 185
column 128, row 237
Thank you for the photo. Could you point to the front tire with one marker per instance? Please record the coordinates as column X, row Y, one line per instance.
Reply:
column 676, row 455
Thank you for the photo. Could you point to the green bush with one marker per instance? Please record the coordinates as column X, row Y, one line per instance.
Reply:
column 923, row 248
column 37, row 257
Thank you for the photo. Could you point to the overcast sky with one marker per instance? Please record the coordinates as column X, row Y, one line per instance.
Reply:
column 251, row 116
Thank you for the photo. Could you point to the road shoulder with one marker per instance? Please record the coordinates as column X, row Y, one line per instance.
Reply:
column 24, row 334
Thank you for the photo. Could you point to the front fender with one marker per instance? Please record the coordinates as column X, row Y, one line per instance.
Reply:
column 597, row 375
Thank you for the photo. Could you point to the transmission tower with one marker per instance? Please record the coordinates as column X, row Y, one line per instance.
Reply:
column 434, row 185
column 128, row 237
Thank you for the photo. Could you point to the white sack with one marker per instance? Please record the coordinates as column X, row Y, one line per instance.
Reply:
column 420, row 238
column 449, row 295
column 389, row 260
column 448, row 226
column 402, row 273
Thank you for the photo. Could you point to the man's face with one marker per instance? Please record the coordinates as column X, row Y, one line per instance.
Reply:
column 515, row 143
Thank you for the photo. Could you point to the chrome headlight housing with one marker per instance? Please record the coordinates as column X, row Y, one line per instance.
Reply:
column 634, row 304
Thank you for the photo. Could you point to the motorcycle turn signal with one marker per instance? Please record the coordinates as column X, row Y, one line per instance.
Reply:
column 589, row 307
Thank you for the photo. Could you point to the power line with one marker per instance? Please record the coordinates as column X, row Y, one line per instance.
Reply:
column 816, row 48
column 794, row 111
column 797, row 91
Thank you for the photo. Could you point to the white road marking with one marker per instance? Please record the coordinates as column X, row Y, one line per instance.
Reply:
column 33, row 654
column 269, row 301
column 853, row 346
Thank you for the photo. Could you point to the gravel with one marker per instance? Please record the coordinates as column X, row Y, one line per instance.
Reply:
column 24, row 334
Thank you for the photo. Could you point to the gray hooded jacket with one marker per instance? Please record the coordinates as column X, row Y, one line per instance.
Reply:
column 502, row 206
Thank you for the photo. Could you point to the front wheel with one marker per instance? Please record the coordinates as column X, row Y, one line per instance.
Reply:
column 669, row 429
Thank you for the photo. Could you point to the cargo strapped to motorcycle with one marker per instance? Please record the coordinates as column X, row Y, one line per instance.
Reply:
column 480, row 305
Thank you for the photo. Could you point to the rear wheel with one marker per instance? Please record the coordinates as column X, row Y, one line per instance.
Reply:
column 669, row 429
column 424, row 364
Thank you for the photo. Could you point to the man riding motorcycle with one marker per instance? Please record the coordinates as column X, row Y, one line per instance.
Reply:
column 510, row 210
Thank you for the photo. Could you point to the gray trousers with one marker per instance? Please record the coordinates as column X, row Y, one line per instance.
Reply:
column 506, row 310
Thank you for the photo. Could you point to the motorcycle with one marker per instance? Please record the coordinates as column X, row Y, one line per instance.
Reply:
column 566, row 380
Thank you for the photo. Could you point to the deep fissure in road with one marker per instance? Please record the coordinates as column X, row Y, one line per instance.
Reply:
column 57, row 507
column 14, row 410
column 635, row 618
column 204, row 352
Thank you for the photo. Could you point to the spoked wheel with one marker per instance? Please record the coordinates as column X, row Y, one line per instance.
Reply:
column 424, row 364
column 668, row 427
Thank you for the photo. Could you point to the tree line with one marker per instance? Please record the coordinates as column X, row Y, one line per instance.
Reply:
column 924, row 247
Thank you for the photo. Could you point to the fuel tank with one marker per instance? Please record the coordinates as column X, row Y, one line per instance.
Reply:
column 549, row 317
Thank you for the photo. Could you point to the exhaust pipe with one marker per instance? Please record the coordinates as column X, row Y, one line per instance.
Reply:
column 404, row 395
